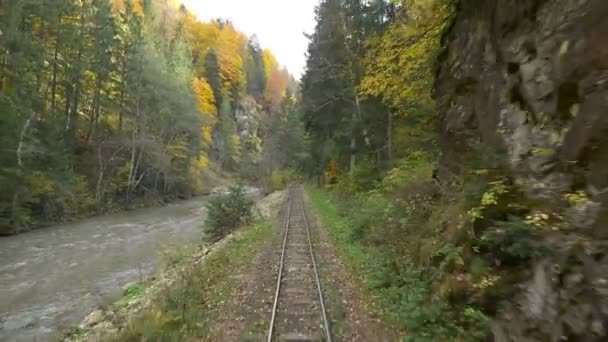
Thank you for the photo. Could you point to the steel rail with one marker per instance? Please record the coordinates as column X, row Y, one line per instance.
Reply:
column 314, row 266
column 278, row 290
column 316, row 272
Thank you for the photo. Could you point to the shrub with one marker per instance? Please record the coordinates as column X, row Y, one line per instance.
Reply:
column 227, row 212
column 280, row 179
column 366, row 212
column 513, row 241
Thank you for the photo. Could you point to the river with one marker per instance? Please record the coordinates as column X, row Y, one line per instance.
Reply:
column 52, row 278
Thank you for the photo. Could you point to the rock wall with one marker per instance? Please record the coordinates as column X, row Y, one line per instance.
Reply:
column 532, row 76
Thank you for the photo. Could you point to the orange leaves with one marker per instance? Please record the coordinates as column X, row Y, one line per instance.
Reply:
column 138, row 7
column 276, row 80
column 276, row 87
column 331, row 171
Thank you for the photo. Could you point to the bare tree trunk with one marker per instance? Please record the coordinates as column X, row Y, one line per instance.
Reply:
column 122, row 92
column 360, row 117
column 389, row 139
column 54, row 82
column 353, row 145
column 41, row 42
column 98, row 194
column 3, row 62
column 68, row 102
column 95, row 111
column 77, row 86
column 131, row 166
column 24, row 129
column 18, row 152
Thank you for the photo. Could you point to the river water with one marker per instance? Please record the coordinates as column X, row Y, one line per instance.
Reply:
column 52, row 278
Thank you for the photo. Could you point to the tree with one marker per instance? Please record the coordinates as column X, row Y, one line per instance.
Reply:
column 346, row 125
column 227, row 139
column 399, row 64
column 207, row 108
column 255, row 69
column 106, row 103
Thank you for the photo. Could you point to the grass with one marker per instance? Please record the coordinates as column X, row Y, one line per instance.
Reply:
column 403, row 290
column 357, row 258
column 186, row 310
column 132, row 294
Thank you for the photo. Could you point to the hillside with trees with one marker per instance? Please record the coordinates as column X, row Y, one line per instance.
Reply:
column 455, row 152
column 461, row 151
column 112, row 104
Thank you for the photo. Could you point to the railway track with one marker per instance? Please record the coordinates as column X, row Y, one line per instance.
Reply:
column 298, row 312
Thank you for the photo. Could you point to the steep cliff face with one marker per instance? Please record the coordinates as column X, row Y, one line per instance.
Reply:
column 532, row 76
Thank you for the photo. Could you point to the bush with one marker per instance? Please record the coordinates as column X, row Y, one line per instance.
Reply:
column 406, row 291
column 227, row 212
column 280, row 179
column 513, row 241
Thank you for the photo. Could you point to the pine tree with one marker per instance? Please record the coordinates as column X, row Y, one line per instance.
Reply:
column 327, row 86
column 256, row 74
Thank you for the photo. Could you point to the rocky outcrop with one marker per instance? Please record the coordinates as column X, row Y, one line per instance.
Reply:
column 532, row 76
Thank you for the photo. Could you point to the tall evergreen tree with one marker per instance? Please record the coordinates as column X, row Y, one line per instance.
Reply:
column 256, row 74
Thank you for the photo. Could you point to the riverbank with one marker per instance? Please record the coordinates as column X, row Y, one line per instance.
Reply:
column 156, row 306
column 53, row 277
column 215, row 178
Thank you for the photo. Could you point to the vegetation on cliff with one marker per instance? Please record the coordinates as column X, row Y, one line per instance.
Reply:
column 465, row 180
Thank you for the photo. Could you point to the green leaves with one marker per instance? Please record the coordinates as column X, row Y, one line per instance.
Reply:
column 227, row 212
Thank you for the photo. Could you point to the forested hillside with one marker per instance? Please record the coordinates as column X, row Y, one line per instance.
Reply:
column 463, row 146
column 107, row 104
column 457, row 148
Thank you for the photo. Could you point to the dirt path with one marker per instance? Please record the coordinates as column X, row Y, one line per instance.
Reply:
column 246, row 316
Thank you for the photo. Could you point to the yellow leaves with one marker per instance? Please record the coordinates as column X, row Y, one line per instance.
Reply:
column 576, row 199
column 230, row 56
column 399, row 64
column 204, row 96
column 207, row 134
column 276, row 80
column 207, row 107
column 42, row 184
column 202, row 36
column 270, row 63
column 490, row 198
column 200, row 164
column 226, row 41
column 331, row 172
column 231, row 48
column 487, row 281
column 538, row 219
column 178, row 149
